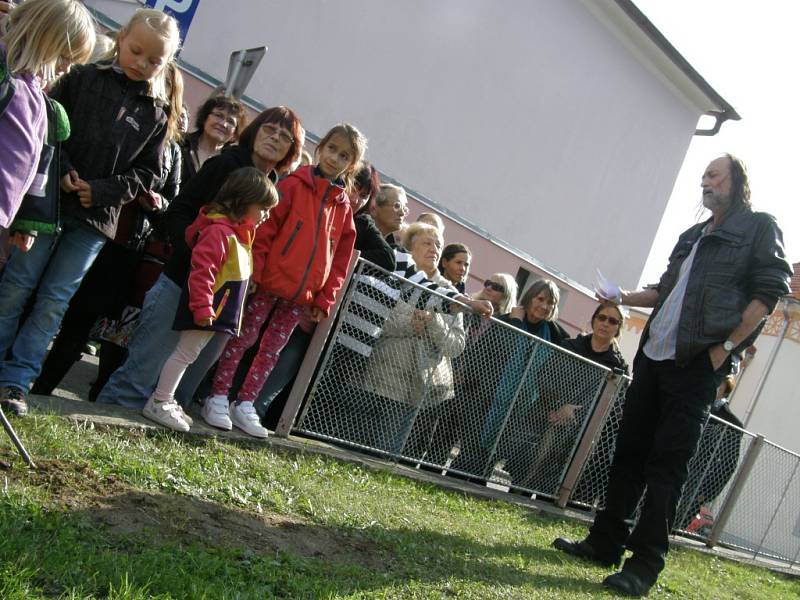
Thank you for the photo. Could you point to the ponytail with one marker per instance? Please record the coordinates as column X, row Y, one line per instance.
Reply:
column 174, row 89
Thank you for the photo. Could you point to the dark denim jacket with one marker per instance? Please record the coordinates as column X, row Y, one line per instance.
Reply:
column 741, row 260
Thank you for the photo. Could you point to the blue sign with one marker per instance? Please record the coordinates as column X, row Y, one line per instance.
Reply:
column 182, row 10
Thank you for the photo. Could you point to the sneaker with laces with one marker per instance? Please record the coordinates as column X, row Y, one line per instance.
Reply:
column 168, row 414
column 245, row 417
column 12, row 399
column 215, row 412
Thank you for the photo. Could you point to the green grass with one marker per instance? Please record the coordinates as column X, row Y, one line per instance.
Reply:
column 130, row 514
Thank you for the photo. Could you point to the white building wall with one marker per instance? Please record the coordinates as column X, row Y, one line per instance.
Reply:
column 526, row 117
column 774, row 410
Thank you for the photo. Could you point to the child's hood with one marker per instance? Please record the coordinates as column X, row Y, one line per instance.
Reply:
column 205, row 218
column 315, row 182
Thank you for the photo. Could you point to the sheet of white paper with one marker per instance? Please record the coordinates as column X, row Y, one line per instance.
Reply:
column 606, row 288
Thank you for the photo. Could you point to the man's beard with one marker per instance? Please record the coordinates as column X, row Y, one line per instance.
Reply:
column 716, row 201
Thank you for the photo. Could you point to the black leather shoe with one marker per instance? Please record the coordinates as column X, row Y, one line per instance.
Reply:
column 582, row 549
column 628, row 584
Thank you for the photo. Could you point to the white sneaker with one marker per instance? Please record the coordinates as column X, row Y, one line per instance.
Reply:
column 186, row 416
column 168, row 414
column 245, row 417
column 215, row 412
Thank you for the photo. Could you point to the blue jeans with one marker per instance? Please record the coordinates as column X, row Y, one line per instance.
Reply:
column 150, row 346
column 57, row 264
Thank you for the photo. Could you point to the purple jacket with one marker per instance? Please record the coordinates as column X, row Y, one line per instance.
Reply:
column 23, row 125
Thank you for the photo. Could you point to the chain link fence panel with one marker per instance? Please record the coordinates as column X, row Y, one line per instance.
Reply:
column 590, row 492
column 410, row 376
column 719, row 454
column 764, row 519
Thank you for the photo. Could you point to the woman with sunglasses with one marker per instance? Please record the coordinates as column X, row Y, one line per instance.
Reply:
column 501, row 290
column 567, row 414
column 600, row 346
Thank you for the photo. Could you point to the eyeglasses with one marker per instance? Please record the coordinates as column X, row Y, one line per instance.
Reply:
column 396, row 206
column 613, row 320
column 493, row 285
column 226, row 118
column 284, row 136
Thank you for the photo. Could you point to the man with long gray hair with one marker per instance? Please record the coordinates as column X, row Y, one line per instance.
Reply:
column 724, row 277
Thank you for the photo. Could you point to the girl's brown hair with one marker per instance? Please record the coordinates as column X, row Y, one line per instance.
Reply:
column 174, row 81
column 359, row 144
column 243, row 188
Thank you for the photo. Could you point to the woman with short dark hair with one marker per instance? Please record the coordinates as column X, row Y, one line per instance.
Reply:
column 219, row 121
column 370, row 242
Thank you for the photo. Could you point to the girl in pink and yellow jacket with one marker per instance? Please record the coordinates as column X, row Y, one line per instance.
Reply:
column 221, row 239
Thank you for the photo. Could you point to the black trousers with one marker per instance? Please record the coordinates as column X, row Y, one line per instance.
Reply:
column 665, row 410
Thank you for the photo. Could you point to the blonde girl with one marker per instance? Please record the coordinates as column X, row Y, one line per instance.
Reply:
column 120, row 113
column 40, row 39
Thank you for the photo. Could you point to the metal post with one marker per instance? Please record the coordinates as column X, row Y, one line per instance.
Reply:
column 777, row 508
column 311, row 359
column 735, row 490
column 17, row 442
column 589, row 438
column 794, row 560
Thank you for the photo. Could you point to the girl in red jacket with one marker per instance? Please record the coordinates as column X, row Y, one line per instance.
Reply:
column 300, row 257
column 221, row 239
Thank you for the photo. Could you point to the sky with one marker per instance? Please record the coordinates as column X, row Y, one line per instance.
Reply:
column 747, row 51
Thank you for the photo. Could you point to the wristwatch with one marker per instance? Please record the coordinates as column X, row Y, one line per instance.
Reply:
column 728, row 346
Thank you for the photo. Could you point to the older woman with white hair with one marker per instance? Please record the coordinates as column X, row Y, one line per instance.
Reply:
column 410, row 367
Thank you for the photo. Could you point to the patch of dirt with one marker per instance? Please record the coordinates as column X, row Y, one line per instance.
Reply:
column 123, row 511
